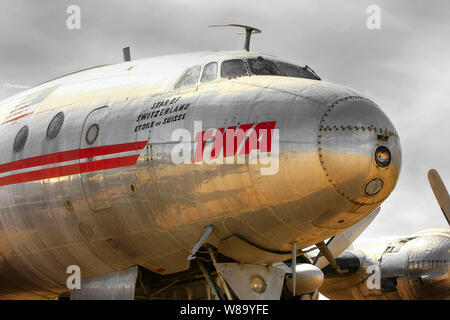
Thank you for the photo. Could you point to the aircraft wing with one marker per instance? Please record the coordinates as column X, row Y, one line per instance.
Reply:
column 343, row 240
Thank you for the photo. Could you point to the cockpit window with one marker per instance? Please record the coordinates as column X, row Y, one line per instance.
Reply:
column 209, row 72
column 291, row 70
column 233, row 68
column 190, row 77
column 261, row 66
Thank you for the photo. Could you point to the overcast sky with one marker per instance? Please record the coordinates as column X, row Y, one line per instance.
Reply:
column 404, row 67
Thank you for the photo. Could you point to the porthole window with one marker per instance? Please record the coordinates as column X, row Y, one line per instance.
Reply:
column 92, row 133
column 55, row 125
column 21, row 139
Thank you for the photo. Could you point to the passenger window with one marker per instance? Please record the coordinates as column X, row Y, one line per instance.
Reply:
column 233, row 68
column 209, row 72
column 189, row 78
column 261, row 66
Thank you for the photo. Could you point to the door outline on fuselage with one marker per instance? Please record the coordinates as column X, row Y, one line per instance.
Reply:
column 93, row 183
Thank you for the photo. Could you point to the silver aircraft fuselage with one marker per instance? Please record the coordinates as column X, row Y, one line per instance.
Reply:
column 96, row 186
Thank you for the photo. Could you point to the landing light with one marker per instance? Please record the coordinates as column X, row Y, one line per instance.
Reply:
column 374, row 186
column 382, row 156
column 257, row 284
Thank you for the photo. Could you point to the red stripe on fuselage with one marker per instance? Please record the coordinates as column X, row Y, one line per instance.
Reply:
column 71, row 155
column 20, row 108
column 17, row 118
column 69, row 170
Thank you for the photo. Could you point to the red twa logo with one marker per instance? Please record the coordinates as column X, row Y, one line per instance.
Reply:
column 232, row 141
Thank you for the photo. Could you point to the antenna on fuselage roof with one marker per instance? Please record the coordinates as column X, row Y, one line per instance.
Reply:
column 248, row 32
column 126, row 54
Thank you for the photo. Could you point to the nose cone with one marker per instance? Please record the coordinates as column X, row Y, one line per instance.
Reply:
column 359, row 150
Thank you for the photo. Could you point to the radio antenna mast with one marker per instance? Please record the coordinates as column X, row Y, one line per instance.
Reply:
column 248, row 32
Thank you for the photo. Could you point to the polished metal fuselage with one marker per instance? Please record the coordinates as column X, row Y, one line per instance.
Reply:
column 151, row 212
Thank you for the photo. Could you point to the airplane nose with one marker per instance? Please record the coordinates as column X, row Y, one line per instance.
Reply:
column 359, row 150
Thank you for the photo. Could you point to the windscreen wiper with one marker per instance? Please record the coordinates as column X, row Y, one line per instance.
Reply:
column 313, row 72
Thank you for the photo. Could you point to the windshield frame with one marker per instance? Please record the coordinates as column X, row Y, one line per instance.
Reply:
column 311, row 74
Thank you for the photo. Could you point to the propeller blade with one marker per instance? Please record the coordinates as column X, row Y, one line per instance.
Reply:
column 343, row 240
column 440, row 192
